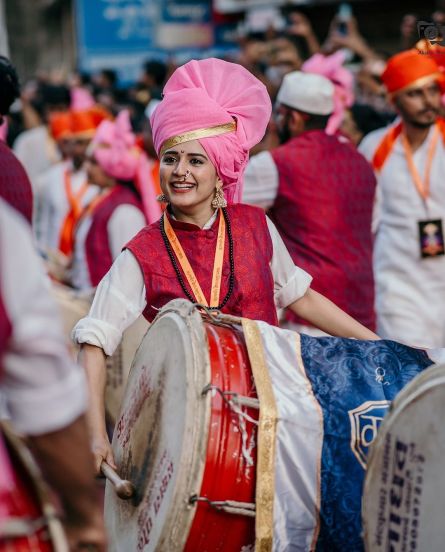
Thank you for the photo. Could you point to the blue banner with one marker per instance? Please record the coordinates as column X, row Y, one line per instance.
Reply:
column 122, row 34
column 186, row 11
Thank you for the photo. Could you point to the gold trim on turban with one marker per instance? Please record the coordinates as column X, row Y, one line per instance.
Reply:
column 197, row 134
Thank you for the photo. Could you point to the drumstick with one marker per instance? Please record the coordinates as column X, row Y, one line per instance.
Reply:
column 124, row 488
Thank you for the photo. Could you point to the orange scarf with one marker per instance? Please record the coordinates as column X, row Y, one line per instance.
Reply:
column 66, row 240
column 386, row 145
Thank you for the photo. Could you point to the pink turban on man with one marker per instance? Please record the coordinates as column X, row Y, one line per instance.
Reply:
column 114, row 148
column 332, row 68
column 223, row 106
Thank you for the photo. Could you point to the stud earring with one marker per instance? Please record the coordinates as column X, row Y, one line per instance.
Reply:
column 162, row 198
column 219, row 201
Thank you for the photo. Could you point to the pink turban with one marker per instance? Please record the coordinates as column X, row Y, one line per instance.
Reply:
column 114, row 148
column 228, row 108
column 332, row 68
column 81, row 99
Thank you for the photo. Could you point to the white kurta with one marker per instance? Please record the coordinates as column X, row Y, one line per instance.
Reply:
column 52, row 205
column 261, row 181
column 43, row 389
column 120, row 297
column 410, row 291
column 37, row 151
column 124, row 224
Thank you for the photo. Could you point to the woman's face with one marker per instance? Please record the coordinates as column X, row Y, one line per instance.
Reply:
column 96, row 175
column 188, row 178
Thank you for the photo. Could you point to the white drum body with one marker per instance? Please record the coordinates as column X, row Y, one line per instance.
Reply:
column 160, row 438
column 189, row 452
column 404, row 493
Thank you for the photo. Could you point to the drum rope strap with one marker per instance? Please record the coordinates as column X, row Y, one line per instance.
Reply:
column 228, row 506
column 235, row 404
column 171, row 241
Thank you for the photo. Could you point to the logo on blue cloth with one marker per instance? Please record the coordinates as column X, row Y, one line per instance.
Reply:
column 365, row 421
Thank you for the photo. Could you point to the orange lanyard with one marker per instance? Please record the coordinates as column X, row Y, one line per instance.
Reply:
column 423, row 187
column 74, row 199
column 66, row 238
column 188, row 270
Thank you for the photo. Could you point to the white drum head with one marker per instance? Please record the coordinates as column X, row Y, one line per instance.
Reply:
column 404, row 494
column 160, row 439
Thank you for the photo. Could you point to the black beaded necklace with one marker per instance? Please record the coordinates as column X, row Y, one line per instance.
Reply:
column 178, row 272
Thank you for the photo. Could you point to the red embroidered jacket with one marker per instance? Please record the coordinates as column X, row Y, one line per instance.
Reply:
column 323, row 212
column 253, row 293
column 15, row 187
column 98, row 251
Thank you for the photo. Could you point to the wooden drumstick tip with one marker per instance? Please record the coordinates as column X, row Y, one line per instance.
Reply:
column 122, row 487
column 125, row 489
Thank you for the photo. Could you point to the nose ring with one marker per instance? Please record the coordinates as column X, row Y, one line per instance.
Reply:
column 187, row 174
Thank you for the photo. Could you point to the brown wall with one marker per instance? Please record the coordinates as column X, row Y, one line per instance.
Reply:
column 41, row 35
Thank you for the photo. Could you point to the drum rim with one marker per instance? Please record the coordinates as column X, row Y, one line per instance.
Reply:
column 429, row 379
column 178, row 520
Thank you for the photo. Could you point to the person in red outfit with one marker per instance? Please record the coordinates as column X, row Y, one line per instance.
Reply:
column 15, row 187
column 125, row 202
column 319, row 191
column 205, row 247
column 43, row 393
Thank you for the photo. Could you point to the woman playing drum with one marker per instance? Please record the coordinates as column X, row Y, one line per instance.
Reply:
column 206, row 247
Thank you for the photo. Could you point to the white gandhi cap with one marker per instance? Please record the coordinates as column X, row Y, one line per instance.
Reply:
column 307, row 92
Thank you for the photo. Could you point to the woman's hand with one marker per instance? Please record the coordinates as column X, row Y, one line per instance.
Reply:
column 101, row 449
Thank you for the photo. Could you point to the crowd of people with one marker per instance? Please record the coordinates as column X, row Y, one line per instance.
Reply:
column 347, row 167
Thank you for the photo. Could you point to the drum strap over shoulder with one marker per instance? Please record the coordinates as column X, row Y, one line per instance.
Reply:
column 265, row 486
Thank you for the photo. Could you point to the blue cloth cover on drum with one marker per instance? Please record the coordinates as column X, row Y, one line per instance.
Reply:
column 354, row 383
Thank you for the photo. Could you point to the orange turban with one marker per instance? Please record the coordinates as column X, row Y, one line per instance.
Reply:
column 85, row 122
column 60, row 125
column 411, row 68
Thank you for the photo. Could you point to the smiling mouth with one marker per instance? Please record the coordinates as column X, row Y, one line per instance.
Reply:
column 182, row 186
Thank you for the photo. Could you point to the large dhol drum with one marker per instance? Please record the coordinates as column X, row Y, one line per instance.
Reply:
column 404, row 492
column 206, row 464
column 184, row 442
column 74, row 306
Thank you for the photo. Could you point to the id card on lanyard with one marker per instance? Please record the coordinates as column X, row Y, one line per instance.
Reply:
column 430, row 231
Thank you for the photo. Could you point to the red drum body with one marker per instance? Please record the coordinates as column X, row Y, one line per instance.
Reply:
column 226, row 475
column 23, row 519
column 185, row 441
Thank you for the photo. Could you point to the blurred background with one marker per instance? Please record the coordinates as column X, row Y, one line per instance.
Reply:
column 89, row 35
column 118, row 53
